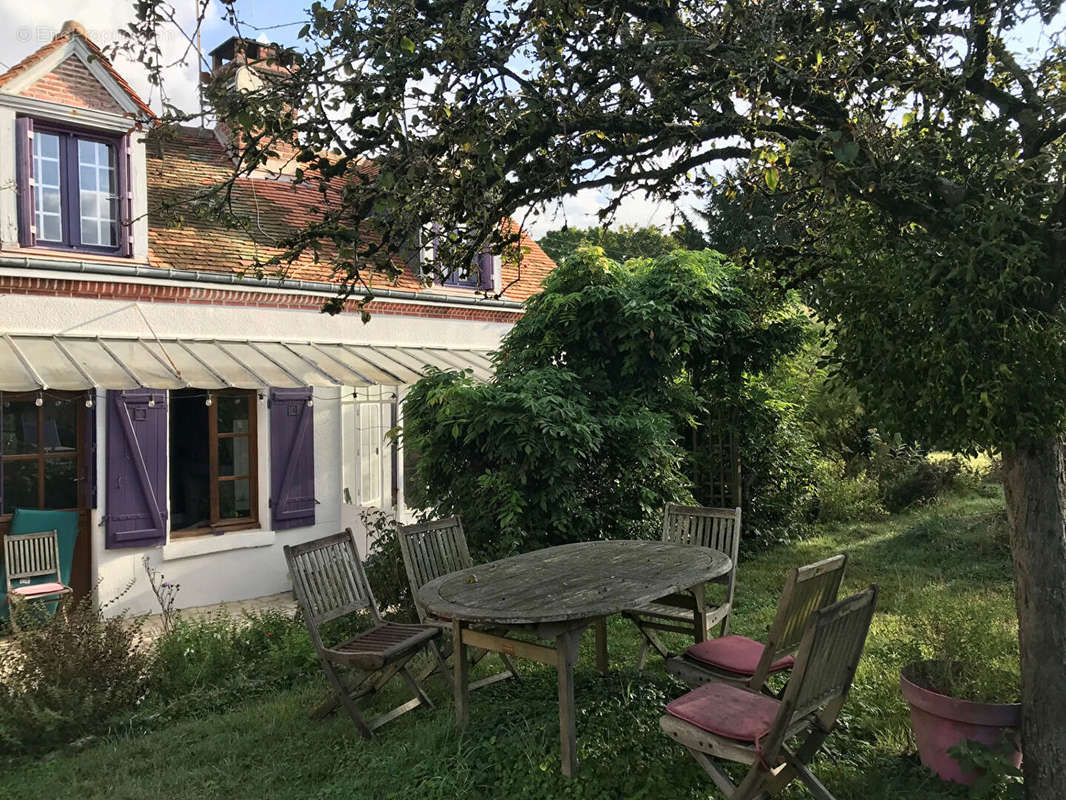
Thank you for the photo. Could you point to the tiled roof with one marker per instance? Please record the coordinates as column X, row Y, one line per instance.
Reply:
column 41, row 53
column 193, row 159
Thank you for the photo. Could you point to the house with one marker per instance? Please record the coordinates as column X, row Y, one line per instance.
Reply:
column 190, row 412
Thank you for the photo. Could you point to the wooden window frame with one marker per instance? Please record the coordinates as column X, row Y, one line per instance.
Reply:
column 78, row 457
column 217, row 525
column 70, row 185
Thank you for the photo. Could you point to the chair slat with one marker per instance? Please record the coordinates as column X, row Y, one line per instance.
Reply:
column 431, row 550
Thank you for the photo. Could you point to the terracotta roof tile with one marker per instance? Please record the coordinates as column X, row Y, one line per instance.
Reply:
column 193, row 159
column 41, row 53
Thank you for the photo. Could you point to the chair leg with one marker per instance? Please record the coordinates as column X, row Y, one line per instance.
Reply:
column 344, row 698
column 507, row 662
column 439, row 663
column 721, row 780
column 642, row 661
column 416, row 687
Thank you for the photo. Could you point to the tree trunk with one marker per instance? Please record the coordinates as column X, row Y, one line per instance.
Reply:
column 1034, row 477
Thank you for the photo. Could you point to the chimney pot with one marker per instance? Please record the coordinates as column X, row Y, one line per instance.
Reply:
column 70, row 27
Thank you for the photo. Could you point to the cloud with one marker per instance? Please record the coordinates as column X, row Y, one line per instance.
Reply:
column 580, row 211
column 29, row 26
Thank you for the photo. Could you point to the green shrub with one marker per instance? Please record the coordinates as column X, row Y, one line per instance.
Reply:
column 847, row 498
column 218, row 659
column 69, row 676
column 908, row 478
column 968, row 651
column 385, row 568
column 578, row 438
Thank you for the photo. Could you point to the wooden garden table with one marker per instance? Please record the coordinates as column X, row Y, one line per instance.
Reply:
column 556, row 593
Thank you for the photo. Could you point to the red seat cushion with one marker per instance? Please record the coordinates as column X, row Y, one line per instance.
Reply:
column 725, row 710
column 38, row 588
column 737, row 654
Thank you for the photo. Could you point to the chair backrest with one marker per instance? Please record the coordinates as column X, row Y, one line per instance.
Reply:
column 825, row 664
column 31, row 555
column 807, row 589
column 430, row 550
column 701, row 526
column 328, row 580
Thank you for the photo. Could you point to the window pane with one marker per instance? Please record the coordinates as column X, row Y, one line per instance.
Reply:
column 234, row 499
column 233, row 413
column 98, row 204
column 46, row 195
column 60, row 425
column 60, row 484
column 20, row 485
column 233, row 456
column 189, row 468
column 371, row 437
column 19, row 426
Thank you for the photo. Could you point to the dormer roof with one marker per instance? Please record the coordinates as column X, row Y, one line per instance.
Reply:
column 70, row 65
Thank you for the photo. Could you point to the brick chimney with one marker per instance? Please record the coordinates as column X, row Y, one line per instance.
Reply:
column 243, row 63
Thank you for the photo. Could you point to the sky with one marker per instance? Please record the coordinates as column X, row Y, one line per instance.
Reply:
column 30, row 25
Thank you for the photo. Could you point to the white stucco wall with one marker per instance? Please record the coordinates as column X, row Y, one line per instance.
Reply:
column 244, row 564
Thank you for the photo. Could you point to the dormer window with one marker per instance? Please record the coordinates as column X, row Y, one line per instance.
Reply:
column 481, row 274
column 478, row 276
column 73, row 188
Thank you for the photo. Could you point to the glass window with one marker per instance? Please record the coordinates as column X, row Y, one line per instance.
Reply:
column 75, row 190
column 39, row 451
column 20, row 485
column 212, row 460
column 47, row 196
column 371, row 447
column 98, row 193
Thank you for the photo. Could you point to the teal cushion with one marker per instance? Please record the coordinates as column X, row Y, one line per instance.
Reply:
column 65, row 523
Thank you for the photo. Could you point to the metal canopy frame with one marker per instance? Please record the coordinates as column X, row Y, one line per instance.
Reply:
column 31, row 361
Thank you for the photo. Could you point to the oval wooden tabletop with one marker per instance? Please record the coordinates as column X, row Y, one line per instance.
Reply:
column 571, row 581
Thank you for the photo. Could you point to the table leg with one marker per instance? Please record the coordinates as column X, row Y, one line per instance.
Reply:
column 462, row 676
column 601, row 645
column 699, row 592
column 566, row 646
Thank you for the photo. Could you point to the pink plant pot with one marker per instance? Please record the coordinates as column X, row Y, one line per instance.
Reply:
column 941, row 722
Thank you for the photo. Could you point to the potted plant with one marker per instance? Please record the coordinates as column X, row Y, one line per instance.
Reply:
column 964, row 699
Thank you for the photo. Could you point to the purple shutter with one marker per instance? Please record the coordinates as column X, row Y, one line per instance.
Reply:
column 24, row 180
column 136, row 469
column 125, row 198
column 292, row 459
column 485, row 270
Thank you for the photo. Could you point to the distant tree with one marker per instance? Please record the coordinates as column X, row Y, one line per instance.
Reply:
column 618, row 244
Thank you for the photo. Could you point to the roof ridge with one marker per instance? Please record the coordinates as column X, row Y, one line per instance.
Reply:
column 70, row 30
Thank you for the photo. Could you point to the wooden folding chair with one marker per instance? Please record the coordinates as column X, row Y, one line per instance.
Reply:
column 699, row 526
column 329, row 583
column 721, row 721
column 28, row 556
column 433, row 549
column 747, row 662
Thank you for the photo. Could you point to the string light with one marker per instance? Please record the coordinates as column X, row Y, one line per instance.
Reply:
column 88, row 399
column 40, row 400
column 210, row 401
column 151, row 401
column 310, row 402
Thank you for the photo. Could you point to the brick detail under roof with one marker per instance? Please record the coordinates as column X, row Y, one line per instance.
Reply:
column 198, row 295
column 72, row 84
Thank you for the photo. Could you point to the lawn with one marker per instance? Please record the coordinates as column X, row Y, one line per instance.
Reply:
column 949, row 560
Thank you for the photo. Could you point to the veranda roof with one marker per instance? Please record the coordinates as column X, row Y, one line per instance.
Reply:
column 31, row 362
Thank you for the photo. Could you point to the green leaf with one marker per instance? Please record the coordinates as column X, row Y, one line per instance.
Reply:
column 407, row 45
column 772, row 176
